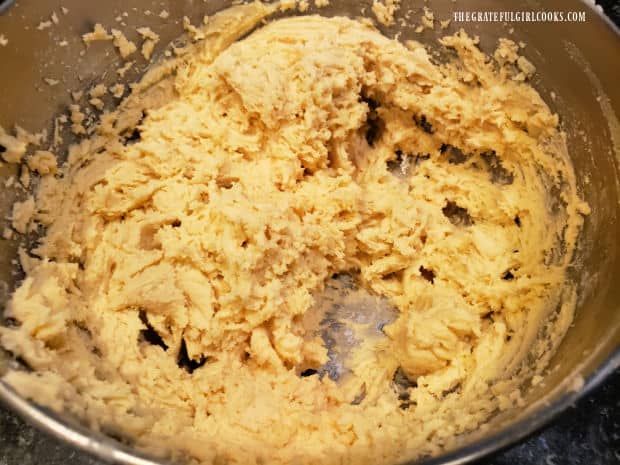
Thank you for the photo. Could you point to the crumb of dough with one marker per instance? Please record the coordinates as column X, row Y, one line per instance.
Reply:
column 150, row 40
column 508, row 401
column 97, row 103
column 77, row 119
column 428, row 18
column 43, row 162
column 321, row 3
column 123, row 69
column 125, row 46
column 163, row 14
column 147, row 33
column 30, row 138
column 54, row 18
column 98, row 91
column 24, row 176
column 577, row 383
column 536, row 380
column 117, row 90
column 195, row 33
column 9, row 181
column 64, row 10
column 59, row 123
column 303, row 6
column 187, row 240
column 27, row 262
column 147, row 48
column 77, row 95
column 384, row 10
column 286, row 5
column 444, row 24
column 22, row 214
column 412, row 44
column 367, row 22
column 63, row 43
column 526, row 66
column 7, row 234
column 12, row 148
column 51, row 82
column 44, row 25
column 3, row 40
column 98, row 33
column 507, row 51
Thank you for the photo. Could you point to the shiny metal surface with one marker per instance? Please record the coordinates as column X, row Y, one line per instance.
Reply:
column 577, row 62
column 5, row 5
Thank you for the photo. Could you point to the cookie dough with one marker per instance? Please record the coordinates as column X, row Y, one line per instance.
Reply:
column 189, row 239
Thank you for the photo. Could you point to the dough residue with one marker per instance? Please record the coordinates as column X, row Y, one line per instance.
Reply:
column 43, row 162
column 22, row 214
column 189, row 238
column 150, row 41
column 125, row 46
column 12, row 148
column 99, row 33
column 384, row 10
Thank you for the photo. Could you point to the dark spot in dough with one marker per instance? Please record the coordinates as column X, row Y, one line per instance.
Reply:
column 508, row 276
column 402, row 384
column 427, row 274
column 134, row 136
column 499, row 174
column 423, row 123
column 360, row 397
column 183, row 360
column 458, row 216
column 149, row 334
column 451, row 390
column 374, row 125
column 454, row 155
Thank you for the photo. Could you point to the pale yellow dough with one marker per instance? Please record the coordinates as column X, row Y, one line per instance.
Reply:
column 263, row 166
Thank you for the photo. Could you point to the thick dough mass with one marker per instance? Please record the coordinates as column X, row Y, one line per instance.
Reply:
column 180, row 258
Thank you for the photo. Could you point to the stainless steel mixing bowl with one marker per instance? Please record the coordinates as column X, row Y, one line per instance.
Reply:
column 578, row 71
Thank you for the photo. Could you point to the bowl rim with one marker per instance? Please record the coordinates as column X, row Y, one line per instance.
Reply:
column 528, row 425
column 113, row 451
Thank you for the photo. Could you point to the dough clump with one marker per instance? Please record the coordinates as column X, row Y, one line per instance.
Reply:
column 189, row 237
